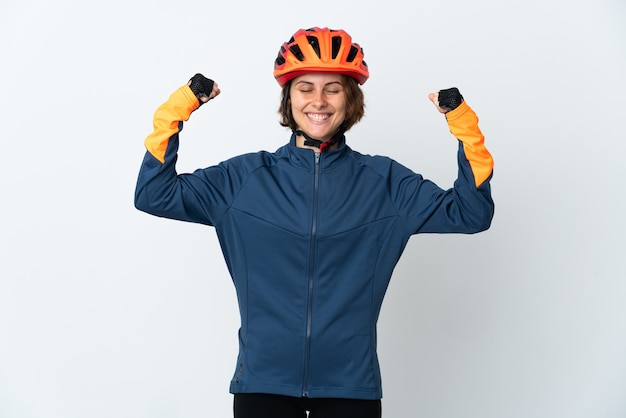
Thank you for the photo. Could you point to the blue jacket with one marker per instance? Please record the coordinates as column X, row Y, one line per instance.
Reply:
column 311, row 241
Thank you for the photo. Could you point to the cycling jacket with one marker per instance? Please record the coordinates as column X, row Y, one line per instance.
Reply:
column 310, row 241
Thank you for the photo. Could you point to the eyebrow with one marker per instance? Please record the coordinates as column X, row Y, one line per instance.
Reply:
column 325, row 85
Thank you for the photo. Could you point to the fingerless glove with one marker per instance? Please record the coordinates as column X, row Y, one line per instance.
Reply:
column 450, row 99
column 201, row 87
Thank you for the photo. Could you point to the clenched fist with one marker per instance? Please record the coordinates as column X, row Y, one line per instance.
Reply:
column 204, row 88
column 446, row 100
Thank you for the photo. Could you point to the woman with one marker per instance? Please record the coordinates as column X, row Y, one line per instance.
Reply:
column 312, row 232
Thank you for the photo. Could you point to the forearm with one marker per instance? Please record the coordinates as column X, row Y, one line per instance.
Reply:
column 463, row 124
column 167, row 118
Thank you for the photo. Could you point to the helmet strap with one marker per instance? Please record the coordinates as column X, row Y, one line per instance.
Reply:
column 323, row 146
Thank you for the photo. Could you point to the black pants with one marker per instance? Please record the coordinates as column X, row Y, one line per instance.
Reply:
column 260, row 405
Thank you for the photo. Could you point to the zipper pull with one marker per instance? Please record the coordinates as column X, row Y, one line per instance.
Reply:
column 317, row 157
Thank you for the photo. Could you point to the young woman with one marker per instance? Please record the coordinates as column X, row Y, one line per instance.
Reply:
column 312, row 232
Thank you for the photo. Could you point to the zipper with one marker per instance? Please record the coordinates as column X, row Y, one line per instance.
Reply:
column 238, row 378
column 312, row 252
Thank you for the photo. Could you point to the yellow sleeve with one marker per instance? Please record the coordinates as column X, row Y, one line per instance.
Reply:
column 463, row 124
column 167, row 120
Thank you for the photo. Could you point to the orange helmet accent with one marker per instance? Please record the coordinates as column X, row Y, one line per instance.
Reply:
column 318, row 50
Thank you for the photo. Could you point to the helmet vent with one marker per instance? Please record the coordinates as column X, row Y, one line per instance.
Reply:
column 280, row 59
column 352, row 55
column 314, row 44
column 295, row 50
column 336, row 44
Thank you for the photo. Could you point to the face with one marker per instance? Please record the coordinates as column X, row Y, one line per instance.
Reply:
column 318, row 104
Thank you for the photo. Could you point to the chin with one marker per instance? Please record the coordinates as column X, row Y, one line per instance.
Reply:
column 322, row 136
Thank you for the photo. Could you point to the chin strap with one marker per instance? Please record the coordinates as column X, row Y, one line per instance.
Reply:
column 323, row 146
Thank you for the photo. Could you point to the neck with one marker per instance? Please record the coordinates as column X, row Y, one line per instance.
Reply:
column 305, row 141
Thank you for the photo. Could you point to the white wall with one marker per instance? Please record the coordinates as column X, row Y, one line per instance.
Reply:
column 108, row 312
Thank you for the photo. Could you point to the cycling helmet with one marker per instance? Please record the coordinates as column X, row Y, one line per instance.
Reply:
column 320, row 50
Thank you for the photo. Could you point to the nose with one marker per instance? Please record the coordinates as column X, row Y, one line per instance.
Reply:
column 319, row 98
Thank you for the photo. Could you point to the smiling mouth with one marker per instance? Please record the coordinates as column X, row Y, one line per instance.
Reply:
column 318, row 116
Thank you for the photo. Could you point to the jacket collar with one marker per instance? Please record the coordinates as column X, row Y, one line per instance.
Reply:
column 305, row 157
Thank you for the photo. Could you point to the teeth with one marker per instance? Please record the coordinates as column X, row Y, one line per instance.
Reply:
column 317, row 116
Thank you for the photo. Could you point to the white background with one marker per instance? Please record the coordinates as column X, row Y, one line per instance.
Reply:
column 108, row 312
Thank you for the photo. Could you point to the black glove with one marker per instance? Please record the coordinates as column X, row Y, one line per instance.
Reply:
column 450, row 99
column 201, row 87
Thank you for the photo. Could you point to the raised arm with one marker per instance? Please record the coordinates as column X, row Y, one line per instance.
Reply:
column 468, row 206
column 160, row 191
